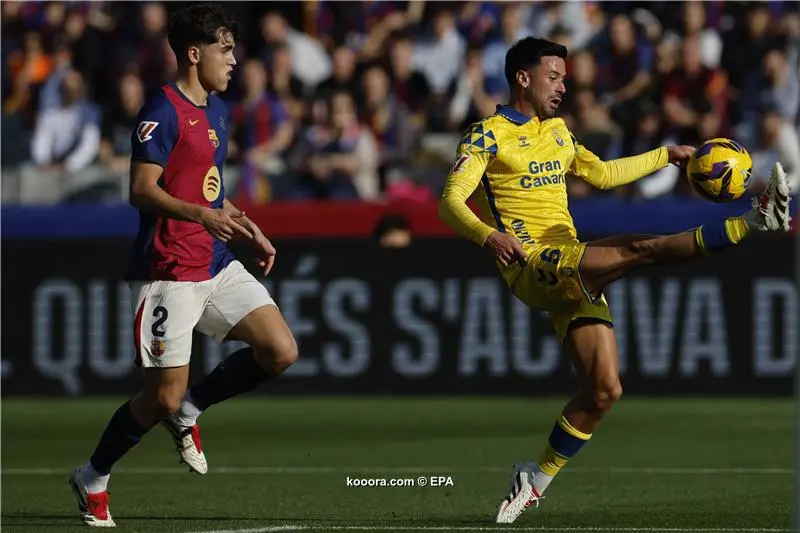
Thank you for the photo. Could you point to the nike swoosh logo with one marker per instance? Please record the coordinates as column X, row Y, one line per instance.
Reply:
column 193, row 122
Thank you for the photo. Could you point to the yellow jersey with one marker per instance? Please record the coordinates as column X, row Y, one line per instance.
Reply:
column 521, row 164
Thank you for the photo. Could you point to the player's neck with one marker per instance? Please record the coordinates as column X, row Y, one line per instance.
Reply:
column 519, row 104
column 192, row 89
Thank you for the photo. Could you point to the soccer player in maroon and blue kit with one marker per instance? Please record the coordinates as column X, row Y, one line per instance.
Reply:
column 181, row 269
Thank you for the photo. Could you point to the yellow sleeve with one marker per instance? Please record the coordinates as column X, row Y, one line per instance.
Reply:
column 463, row 179
column 610, row 174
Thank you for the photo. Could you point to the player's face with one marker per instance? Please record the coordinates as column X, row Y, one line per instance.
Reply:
column 546, row 86
column 217, row 62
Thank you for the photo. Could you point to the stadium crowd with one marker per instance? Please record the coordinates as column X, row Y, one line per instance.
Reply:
column 368, row 99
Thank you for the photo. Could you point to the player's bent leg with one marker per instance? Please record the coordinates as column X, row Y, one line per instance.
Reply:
column 266, row 331
column 240, row 309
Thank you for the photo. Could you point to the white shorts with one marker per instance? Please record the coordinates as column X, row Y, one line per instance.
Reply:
column 167, row 312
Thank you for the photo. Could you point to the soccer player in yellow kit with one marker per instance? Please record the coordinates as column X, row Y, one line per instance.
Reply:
column 515, row 164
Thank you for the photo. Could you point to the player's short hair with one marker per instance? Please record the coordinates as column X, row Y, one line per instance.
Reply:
column 527, row 53
column 198, row 24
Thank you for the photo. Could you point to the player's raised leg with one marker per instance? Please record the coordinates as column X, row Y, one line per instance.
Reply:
column 607, row 260
column 240, row 309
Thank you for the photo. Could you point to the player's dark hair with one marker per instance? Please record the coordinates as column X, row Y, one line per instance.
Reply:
column 198, row 24
column 527, row 53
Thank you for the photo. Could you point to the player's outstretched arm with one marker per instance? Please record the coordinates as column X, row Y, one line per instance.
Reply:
column 619, row 172
column 146, row 195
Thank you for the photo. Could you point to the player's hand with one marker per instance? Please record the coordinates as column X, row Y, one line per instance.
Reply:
column 679, row 155
column 221, row 223
column 506, row 247
column 266, row 252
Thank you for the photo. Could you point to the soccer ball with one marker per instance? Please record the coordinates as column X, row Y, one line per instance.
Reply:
column 720, row 170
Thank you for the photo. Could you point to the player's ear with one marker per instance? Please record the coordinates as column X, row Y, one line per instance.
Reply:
column 193, row 54
column 523, row 78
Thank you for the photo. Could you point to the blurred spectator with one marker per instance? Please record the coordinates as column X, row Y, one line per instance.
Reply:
column 393, row 231
column 408, row 85
column 593, row 125
column 471, row 102
column 512, row 29
column 625, row 68
column 115, row 146
column 309, row 60
column 695, row 98
column 260, row 131
column 387, row 118
column 693, row 24
column 567, row 18
column 284, row 84
column 434, row 56
column 28, row 68
column 648, row 136
column 777, row 140
column 343, row 77
column 337, row 159
column 67, row 137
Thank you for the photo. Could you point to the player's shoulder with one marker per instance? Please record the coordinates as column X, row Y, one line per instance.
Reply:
column 157, row 119
column 480, row 136
column 217, row 106
column 158, row 107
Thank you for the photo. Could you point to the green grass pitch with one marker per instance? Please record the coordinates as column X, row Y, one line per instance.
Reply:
column 280, row 464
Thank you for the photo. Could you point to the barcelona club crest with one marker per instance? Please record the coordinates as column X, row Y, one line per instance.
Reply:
column 212, row 136
column 157, row 347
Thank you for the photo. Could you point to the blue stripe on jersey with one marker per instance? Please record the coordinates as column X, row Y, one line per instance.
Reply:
column 216, row 114
column 492, row 204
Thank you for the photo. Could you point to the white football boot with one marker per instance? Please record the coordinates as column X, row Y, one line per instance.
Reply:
column 771, row 210
column 521, row 494
column 188, row 444
column 93, row 507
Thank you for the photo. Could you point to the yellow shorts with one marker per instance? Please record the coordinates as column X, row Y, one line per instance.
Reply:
column 551, row 282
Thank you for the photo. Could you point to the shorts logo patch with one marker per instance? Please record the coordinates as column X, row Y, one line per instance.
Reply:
column 567, row 272
column 145, row 130
column 157, row 347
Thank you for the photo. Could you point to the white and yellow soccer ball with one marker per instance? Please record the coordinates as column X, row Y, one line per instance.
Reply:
column 720, row 170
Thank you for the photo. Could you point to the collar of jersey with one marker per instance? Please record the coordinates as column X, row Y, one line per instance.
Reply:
column 509, row 113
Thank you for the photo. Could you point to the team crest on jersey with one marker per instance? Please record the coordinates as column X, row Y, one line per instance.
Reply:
column 212, row 137
column 523, row 141
column 559, row 140
column 157, row 347
column 145, row 130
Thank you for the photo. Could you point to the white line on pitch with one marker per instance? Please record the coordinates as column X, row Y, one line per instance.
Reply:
column 431, row 470
column 269, row 529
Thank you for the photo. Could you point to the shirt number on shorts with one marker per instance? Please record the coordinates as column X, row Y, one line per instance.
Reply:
column 160, row 313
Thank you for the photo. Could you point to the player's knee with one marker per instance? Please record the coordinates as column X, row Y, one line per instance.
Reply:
column 277, row 355
column 606, row 394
